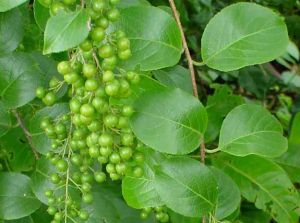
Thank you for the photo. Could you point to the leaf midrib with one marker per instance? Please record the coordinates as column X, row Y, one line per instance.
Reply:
column 260, row 186
column 234, row 42
column 245, row 136
column 156, row 41
column 190, row 189
column 170, row 120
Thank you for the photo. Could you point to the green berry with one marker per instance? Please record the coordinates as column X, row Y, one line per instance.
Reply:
column 100, row 177
column 113, row 15
column 89, row 70
column 106, row 51
column 40, row 92
column 49, row 99
column 98, row 34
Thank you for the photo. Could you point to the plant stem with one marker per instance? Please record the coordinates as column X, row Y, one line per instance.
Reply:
column 192, row 71
column 190, row 64
column 185, row 47
column 26, row 133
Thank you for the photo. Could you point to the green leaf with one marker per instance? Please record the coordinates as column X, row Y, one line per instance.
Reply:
column 218, row 106
column 143, row 26
column 229, row 195
column 19, row 77
column 41, row 179
column 258, row 35
column 41, row 14
column 15, row 142
column 130, row 3
column 6, row 5
column 177, row 218
column 170, row 121
column 65, row 30
column 103, row 210
column 39, row 139
column 140, row 192
column 251, row 129
column 16, row 197
column 5, row 120
column 186, row 186
column 177, row 77
column 264, row 183
column 11, row 30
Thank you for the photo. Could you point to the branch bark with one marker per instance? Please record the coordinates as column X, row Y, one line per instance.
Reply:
column 26, row 133
column 185, row 47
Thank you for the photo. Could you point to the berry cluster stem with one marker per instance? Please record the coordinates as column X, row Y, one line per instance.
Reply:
column 26, row 133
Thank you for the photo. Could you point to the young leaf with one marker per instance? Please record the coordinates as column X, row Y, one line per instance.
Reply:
column 16, row 197
column 19, row 77
column 251, row 129
column 11, row 30
column 170, row 121
column 229, row 195
column 176, row 77
column 243, row 34
column 140, row 192
column 263, row 182
column 186, row 186
column 41, row 142
column 144, row 25
column 218, row 106
column 65, row 30
column 6, row 5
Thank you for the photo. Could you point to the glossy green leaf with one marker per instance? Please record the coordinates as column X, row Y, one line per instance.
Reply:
column 41, row 14
column 229, row 195
column 41, row 179
column 6, row 5
column 290, row 79
column 16, row 197
column 251, row 129
column 186, row 186
column 11, row 30
column 39, row 139
column 258, row 35
column 170, row 121
column 140, row 192
column 149, row 44
column 177, row 218
column 21, row 157
column 177, row 77
column 263, row 182
column 5, row 120
column 65, row 30
column 19, row 77
column 218, row 106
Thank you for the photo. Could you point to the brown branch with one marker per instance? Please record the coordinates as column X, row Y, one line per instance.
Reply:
column 185, row 47
column 26, row 133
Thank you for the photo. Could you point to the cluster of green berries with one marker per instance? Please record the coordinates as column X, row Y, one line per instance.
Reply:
column 49, row 95
column 94, row 141
column 160, row 212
